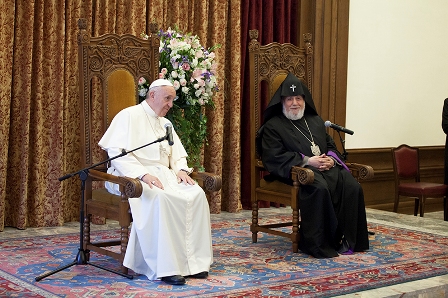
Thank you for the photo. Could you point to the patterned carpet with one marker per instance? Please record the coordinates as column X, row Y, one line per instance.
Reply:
column 241, row 268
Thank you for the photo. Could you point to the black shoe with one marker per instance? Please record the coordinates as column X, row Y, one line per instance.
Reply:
column 174, row 279
column 203, row 274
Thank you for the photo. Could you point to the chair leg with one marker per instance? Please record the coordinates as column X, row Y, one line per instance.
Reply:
column 416, row 205
column 124, row 245
column 295, row 230
column 422, row 206
column 397, row 198
column 445, row 208
column 254, row 225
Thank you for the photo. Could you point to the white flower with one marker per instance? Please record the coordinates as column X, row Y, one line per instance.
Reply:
column 189, row 66
column 194, row 63
column 142, row 92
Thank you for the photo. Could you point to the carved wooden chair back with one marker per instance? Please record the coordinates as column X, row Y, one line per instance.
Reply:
column 269, row 65
column 110, row 67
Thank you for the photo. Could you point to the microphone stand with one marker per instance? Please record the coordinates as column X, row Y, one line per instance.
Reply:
column 81, row 258
column 344, row 153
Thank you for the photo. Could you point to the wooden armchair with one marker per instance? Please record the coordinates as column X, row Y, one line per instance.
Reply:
column 109, row 69
column 269, row 65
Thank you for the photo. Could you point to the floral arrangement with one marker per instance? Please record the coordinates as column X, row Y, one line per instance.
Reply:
column 191, row 69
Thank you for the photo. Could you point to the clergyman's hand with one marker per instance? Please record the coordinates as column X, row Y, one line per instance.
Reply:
column 152, row 181
column 321, row 162
column 182, row 176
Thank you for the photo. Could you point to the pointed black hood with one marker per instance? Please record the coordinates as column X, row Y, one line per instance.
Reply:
column 291, row 86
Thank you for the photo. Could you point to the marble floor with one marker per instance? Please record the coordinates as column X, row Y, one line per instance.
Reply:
column 425, row 288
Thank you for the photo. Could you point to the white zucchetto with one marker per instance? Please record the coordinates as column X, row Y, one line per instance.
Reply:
column 160, row 82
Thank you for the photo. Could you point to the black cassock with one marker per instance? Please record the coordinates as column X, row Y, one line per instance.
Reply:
column 332, row 206
column 445, row 130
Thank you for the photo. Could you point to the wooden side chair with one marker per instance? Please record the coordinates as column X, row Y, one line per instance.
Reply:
column 269, row 65
column 406, row 164
column 110, row 67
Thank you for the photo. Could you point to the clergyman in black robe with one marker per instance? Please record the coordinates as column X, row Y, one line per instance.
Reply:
column 445, row 130
column 332, row 209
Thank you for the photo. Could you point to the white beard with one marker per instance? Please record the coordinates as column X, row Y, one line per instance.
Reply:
column 290, row 115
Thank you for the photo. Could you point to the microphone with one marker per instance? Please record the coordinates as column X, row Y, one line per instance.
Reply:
column 338, row 128
column 169, row 133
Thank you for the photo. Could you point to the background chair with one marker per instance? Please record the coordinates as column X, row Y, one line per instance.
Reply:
column 406, row 164
column 109, row 69
column 269, row 65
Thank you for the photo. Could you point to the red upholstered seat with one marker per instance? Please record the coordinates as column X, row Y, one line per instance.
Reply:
column 423, row 188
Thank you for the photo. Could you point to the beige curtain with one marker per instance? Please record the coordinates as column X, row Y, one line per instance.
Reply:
column 39, row 112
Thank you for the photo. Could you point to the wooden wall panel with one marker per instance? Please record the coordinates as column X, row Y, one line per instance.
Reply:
column 327, row 21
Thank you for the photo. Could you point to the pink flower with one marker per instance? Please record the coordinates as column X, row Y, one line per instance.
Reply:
column 174, row 43
column 199, row 54
column 197, row 73
column 186, row 66
column 141, row 81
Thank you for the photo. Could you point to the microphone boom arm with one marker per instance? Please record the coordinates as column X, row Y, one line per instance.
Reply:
column 123, row 153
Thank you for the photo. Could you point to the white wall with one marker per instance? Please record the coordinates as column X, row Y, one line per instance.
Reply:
column 397, row 72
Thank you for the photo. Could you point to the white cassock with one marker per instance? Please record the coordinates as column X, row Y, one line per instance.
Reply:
column 170, row 233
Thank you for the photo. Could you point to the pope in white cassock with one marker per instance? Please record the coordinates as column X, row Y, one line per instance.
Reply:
column 170, row 234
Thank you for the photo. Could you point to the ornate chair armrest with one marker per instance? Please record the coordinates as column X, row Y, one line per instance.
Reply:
column 209, row 181
column 302, row 175
column 360, row 171
column 132, row 187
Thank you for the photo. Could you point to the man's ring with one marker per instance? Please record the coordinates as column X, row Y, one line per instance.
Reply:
column 153, row 182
